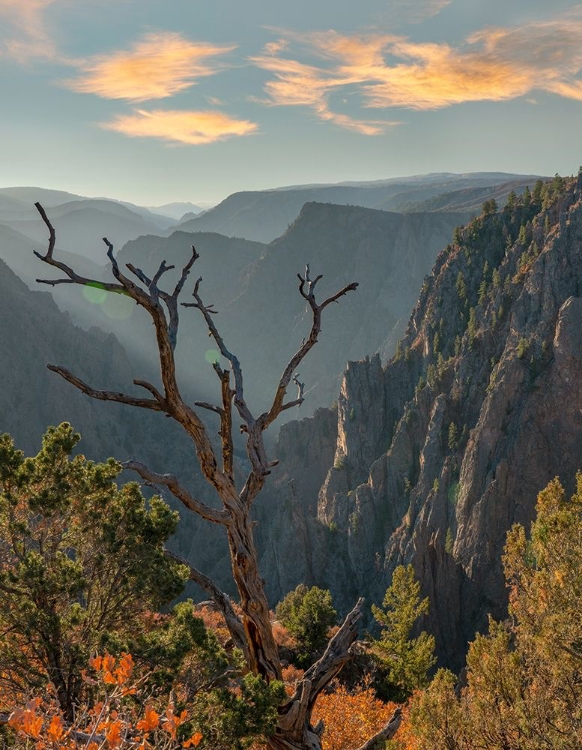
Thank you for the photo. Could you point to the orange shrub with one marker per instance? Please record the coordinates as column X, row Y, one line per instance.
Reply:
column 350, row 718
column 111, row 723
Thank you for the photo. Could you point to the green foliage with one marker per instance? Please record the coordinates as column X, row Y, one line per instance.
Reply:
column 82, row 562
column 431, row 375
column 449, row 541
column 437, row 719
column 452, row 439
column 492, row 380
column 307, row 614
column 180, row 646
column 489, row 207
column 522, row 347
column 523, row 685
column 406, row 660
column 453, row 492
column 233, row 720
column 472, row 326
column 461, row 286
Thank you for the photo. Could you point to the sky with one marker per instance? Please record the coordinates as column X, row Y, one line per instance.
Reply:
column 154, row 101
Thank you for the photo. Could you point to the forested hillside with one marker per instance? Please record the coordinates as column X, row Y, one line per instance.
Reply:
column 433, row 457
column 406, row 490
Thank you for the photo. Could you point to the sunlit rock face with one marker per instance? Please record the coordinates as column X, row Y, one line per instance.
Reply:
column 442, row 450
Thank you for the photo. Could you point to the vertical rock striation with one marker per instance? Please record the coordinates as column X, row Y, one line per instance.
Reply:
column 441, row 451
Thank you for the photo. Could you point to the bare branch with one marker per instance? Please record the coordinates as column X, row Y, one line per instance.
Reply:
column 226, row 423
column 73, row 278
column 209, row 407
column 386, row 733
column 300, row 387
column 160, row 272
column 336, row 654
column 171, row 300
column 121, row 398
column 139, row 274
column 320, row 674
column 185, row 271
column 207, row 313
column 152, row 389
column 179, row 492
column 166, row 332
column 222, row 601
column 306, row 289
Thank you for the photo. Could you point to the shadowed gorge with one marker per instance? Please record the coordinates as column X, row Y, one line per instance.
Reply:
column 431, row 458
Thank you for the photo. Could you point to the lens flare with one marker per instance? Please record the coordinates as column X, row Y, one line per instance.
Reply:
column 94, row 293
column 212, row 356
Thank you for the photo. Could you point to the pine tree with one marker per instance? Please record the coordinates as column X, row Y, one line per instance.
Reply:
column 406, row 660
column 81, row 562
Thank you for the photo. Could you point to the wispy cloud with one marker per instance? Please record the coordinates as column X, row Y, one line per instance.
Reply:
column 300, row 84
column 23, row 30
column 388, row 71
column 414, row 11
column 176, row 126
column 158, row 66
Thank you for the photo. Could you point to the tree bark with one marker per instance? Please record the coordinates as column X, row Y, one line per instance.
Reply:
column 253, row 630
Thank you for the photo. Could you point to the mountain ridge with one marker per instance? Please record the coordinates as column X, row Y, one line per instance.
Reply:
column 431, row 458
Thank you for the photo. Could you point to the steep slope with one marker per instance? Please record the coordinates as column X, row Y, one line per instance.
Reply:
column 265, row 215
column 261, row 312
column 441, row 451
column 469, row 199
column 34, row 333
column 17, row 251
column 387, row 254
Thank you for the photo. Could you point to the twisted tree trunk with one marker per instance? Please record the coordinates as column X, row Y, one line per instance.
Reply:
column 253, row 631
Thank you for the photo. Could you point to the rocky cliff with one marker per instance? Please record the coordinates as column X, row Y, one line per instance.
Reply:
column 264, row 318
column 438, row 453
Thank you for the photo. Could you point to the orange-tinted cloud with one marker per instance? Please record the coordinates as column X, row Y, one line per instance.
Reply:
column 157, row 66
column 176, row 126
column 299, row 84
column 388, row 71
column 23, row 31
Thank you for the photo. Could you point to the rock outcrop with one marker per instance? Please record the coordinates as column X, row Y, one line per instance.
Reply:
column 441, row 451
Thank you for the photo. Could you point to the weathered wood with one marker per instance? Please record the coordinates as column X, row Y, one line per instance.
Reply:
column 386, row 733
column 222, row 601
column 252, row 631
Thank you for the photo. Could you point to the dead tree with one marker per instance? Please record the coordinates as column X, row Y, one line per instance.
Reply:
column 252, row 632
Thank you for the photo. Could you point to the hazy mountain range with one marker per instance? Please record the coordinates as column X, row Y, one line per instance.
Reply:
column 426, row 457
column 388, row 253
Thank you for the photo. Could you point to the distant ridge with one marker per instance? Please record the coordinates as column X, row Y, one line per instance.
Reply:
column 265, row 215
